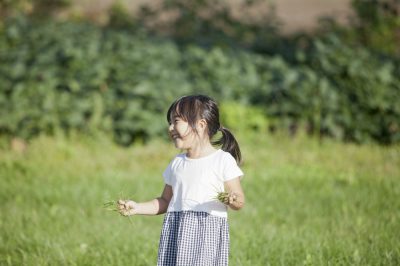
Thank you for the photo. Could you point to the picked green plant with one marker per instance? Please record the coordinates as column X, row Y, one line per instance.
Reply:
column 111, row 205
column 119, row 206
column 226, row 197
column 223, row 197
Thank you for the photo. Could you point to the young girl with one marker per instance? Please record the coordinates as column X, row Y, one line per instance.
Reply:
column 195, row 229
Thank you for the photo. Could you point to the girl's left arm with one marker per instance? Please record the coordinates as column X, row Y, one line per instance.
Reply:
column 236, row 194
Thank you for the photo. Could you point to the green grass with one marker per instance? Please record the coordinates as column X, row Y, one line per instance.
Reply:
column 308, row 203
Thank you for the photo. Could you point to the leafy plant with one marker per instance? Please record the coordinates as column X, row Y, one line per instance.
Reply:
column 65, row 77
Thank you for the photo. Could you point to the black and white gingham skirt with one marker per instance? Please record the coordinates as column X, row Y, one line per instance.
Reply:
column 193, row 238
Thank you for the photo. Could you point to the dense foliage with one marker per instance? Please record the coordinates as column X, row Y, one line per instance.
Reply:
column 74, row 76
column 377, row 25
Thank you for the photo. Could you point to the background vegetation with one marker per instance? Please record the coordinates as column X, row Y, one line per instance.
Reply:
column 64, row 76
column 73, row 92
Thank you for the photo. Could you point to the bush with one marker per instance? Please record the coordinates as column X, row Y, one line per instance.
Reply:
column 368, row 90
column 73, row 76
column 66, row 75
column 243, row 118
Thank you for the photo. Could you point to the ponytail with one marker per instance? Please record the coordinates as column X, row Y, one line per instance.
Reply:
column 229, row 144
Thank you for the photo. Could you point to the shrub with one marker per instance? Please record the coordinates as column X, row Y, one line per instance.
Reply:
column 69, row 76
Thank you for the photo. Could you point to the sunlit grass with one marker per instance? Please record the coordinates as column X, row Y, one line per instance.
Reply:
column 308, row 203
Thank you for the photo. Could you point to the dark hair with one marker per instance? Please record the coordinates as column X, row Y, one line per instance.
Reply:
column 194, row 107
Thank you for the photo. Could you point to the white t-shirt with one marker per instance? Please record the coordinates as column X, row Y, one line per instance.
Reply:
column 196, row 182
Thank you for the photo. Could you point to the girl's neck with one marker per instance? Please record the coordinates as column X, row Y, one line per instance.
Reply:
column 199, row 151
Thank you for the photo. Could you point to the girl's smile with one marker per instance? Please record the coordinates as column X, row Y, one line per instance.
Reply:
column 194, row 141
column 181, row 133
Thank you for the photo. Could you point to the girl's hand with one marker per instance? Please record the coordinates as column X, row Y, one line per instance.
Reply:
column 127, row 207
column 232, row 198
column 227, row 198
column 235, row 199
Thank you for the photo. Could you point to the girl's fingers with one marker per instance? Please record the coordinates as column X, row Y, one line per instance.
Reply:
column 124, row 203
column 127, row 212
column 121, row 204
column 123, row 212
column 232, row 198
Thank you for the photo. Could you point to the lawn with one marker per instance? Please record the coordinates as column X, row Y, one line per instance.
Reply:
column 308, row 203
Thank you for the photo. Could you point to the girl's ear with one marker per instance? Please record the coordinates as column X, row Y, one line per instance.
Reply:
column 201, row 124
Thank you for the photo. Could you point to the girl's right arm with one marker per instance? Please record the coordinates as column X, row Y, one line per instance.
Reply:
column 153, row 207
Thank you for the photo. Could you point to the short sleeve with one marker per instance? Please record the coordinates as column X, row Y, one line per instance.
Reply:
column 231, row 170
column 167, row 174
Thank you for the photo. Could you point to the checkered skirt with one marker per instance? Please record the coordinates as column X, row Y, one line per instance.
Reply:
column 193, row 238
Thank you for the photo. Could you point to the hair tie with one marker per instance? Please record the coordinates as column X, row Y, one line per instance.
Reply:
column 220, row 128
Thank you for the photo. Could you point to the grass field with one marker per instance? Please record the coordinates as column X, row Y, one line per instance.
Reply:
column 308, row 203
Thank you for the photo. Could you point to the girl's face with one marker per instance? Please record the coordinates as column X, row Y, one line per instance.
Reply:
column 181, row 133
